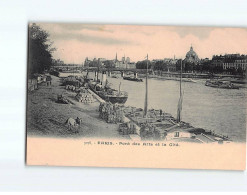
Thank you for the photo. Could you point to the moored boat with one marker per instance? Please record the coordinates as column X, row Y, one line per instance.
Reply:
column 108, row 94
column 151, row 124
column 221, row 84
column 103, row 90
column 114, row 76
column 133, row 79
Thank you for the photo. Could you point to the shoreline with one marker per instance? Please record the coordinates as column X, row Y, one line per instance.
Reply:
column 46, row 117
column 41, row 122
column 237, row 80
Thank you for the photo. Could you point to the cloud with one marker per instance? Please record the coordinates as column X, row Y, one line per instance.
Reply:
column 91, row 39
column 135, row 41
column 199, row 32
column 79, row 27
column 88, row 33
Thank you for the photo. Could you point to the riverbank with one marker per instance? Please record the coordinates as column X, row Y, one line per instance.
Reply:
column 203, row 107
column 46, row 117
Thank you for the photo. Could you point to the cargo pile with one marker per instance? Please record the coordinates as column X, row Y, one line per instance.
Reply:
column 85, row 97
column 72, row 80
column 76, row 89
column 111, row 113
column 70, row 87
column 149, row 132
column 62, row 100
column 127, row 128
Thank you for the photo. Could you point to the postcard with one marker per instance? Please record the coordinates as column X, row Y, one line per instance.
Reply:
column 136, row 96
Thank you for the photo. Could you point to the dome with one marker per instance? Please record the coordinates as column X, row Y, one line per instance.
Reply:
column 191, row 56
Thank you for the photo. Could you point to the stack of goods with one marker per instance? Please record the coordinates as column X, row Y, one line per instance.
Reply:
column 61, row 99
column 128, row 110
column 149, row 132
column 111, row 113
column 127, row 128
column 70, row 87
column 72, row 80
column 84, row 97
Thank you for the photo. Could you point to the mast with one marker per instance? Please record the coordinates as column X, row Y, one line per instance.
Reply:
column 180, row 97
column 98, row 72
column 181, row 79
column 146, row 95
column 119, row 89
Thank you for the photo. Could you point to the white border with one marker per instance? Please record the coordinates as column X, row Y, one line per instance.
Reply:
column 14, row 16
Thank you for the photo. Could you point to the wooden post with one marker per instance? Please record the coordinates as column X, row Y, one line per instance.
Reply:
column 146, row 95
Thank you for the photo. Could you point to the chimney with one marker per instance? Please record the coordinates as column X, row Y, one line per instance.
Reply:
column 96, row 76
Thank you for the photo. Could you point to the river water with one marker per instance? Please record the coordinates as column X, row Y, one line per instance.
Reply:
column 220, row 110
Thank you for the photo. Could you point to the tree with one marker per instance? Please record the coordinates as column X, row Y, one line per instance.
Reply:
column 40, row 50
column 161, row 65
column 109, row 64
column 189, row 66
column 178, row 65
column 205, row 66
column 143, row 64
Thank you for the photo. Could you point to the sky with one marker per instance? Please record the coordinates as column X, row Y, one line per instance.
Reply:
column 75, row 42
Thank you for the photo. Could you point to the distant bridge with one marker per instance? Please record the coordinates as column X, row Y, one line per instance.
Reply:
column 143, row 71
column 90, row 69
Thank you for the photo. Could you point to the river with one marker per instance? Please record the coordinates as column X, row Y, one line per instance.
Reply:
column 220, row 110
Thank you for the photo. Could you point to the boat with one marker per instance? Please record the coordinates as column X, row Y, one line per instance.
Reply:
column 154, row 124
column 133, row 79
column 114, row 76
column 178, row 79
column 107, row 93
column 220, row 84
column 172, row 78
column 103, row 90
column 189, row 80
column 158, row 125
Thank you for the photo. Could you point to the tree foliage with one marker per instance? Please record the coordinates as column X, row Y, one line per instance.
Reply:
column 109, row 64
column 143, row 64
column 160, row 65
column 40, row 50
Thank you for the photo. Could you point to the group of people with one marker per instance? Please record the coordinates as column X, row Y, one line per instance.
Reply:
column 48, row 80
column 111, row 113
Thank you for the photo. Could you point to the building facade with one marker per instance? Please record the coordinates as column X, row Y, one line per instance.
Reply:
column 125, row 63
column 231, row 61
column 171, row 64
column 241, row 63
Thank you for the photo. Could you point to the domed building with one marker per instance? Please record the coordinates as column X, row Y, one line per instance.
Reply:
column 191, row 57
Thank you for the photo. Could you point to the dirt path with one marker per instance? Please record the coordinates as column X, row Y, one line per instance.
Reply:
column 46, row 117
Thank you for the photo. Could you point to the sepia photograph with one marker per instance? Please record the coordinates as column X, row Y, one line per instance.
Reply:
column 123, row 96
column 136, row 86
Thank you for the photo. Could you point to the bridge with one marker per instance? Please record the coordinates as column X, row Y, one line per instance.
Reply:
column 143, row 71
